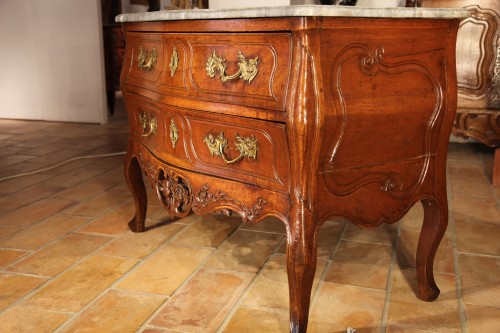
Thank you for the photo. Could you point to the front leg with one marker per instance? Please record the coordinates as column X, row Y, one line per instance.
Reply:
column 133, row 176
column 433, row 229
column 301, row 253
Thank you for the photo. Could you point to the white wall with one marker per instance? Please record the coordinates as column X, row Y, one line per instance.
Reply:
column 51, row 61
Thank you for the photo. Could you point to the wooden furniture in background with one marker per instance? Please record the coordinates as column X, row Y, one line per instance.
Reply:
column 478, row 67
column 303, row 117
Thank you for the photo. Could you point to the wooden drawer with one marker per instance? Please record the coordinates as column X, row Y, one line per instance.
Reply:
column 239, row 69
column 251, row 151
column 237, row 148
column 162, row 131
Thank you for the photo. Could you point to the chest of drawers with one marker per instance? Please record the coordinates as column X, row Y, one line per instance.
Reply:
column 299, row 112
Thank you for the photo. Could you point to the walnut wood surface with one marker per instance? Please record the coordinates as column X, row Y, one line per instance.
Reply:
column 352, row 118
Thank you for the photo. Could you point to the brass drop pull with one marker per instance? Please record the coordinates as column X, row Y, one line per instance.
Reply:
column 146, row 60
column 148, row 124
column 247, row 69
column 246, row 146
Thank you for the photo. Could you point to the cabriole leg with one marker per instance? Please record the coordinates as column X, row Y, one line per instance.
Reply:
column 433, row 229
column 133, row 176
column 301, row 265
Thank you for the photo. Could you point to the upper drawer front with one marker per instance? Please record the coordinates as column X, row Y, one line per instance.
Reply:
column 240, row 69
column 144, row 61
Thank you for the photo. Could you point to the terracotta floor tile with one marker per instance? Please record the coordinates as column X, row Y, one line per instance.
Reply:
column 360, row 264
column 208, row 230
column 116, row 312
column 139, row 245
column 16, row 184
column 395, row 329
column 252, row 320
column 10, row 203
column 407, row 251
column 383, row 234
column 338, row 307
column 269, row 224
column 472, row 169
column 270, row 289
column 477, row 237
column 42, row 233
column 79, row 285
column 86, row 189
column 482, row 319
column 201, row 305
column 15, row 286
column 98, row 204
column 328, row 237
column 35, row 212
column 23, row 320
column 114, row 222
column 73, row 177
column 414, row 218
column 60, row 255
column 406, row 311
column 164, row 271
column 485, row 209
column 480, row 277
column 9, row 256
column 245, row 251
column 8, row 230
column 473, row 186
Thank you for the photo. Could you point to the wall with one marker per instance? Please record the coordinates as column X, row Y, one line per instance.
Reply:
column 51, row 61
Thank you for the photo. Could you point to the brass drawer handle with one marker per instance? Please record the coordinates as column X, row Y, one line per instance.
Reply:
column 246, row 146
column 247, row 69
column 145, row 63
column 148, row 124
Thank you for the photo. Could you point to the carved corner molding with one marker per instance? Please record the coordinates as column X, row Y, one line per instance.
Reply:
column 482, row 125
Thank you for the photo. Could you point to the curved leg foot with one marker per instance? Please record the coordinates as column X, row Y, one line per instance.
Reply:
column 433, row 229
column 133, row 176
column 301, row 256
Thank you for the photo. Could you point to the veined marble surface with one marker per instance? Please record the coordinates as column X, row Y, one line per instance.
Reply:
column 289, row 11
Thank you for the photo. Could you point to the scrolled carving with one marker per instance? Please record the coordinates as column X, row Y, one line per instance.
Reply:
column 173, row 190
column 204, row 202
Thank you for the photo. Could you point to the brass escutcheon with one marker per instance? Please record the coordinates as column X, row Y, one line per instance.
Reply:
column 148, row 124
column 145, row 63
column 247, row 147
column 247, row 69
column 174, row 133
column 174, row 61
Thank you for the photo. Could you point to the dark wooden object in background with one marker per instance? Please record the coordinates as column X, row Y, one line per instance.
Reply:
column 478, row 66
column 351, row 116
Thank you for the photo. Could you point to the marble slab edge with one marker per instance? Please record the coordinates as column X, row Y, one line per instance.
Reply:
column 296, row 11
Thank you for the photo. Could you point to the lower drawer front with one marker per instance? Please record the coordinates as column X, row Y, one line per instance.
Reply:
column 242, row 149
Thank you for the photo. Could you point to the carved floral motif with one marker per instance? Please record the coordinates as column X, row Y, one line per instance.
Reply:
column 205, row 201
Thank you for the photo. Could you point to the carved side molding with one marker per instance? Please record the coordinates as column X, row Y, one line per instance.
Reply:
column 371, row 63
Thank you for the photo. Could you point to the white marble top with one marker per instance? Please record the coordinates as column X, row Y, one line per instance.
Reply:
column 290, row 11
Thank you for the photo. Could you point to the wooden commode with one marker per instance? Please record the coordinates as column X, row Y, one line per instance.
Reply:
column 299, row 112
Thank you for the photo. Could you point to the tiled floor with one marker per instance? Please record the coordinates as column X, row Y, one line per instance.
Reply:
column 69, row 264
